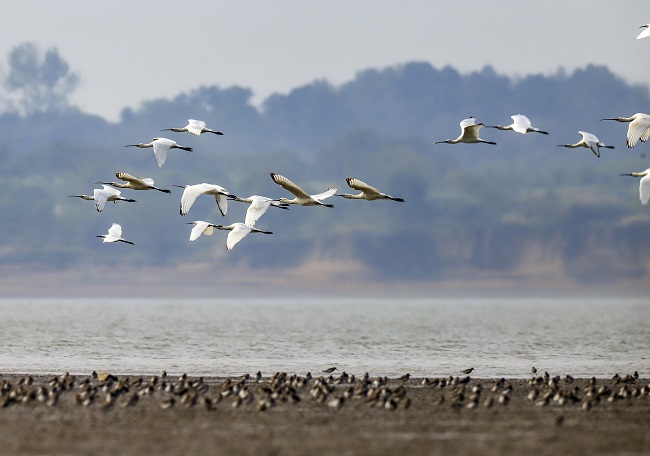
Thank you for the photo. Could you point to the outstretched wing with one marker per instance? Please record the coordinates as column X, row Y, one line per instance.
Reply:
column 195, row 126
column 201, row 227
column 115, row 232
column 257, row 209
column 126, row 177
column 238, row 233
column 520, row 123
column 467, row 123
column 639, row 129
column 100, row 200
column 222, row 202
column 361, row 186
column 102, row 195
column 644, row 189
column 326, row 194
column 190, row 194
column 289, row 186
column 160, row 149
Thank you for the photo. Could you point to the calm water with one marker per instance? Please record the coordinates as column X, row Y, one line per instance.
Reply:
column 426, row 337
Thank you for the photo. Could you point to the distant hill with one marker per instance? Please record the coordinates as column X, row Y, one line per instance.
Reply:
column 524, row 209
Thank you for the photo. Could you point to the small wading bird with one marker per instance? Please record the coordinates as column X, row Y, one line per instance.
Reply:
column 201, row 227
column 302, row 198
column 645, row 33
column 160, row 148
column 135, row 183
column 238, row 231
column 258, row 206
column 469, row 130
column 520, row 124
column 196, row 127
column 114, row 235
column 192, row 192
column 639, row 128
column 368, row 192
column 644, row 185
column 102, row 195
column 467, row 371
column 590, row 141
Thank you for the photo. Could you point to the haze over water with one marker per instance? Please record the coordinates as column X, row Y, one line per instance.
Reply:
column 425, row 337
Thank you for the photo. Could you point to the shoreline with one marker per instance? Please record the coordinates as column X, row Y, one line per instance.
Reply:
column 328, row 413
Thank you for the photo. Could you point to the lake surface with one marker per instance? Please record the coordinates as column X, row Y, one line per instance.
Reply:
column 426, row 337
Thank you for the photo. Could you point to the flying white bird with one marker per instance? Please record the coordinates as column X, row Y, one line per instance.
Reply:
column 196, row 127
column 192, row 192
column 590, row 141
column 258, row 206
column 135, row 183
column 645, row 33
column 160, row 148
column 238, row 231
column 520, row 124
column 639, row 127
column 302, row 198
column 201, row 227
column 368, row 192
column 102, row 195
column 114, row 235
column 644, row 185
column 469, row 130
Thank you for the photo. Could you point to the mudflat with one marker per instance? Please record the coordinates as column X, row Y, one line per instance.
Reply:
column 323, row 414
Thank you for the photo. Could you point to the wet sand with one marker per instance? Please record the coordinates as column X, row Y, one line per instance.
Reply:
column 338, row 415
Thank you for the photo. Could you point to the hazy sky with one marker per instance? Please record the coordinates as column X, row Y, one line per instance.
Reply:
column 130, row 51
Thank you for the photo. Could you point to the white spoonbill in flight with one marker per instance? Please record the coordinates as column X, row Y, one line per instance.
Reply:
column 196, row 127
column 368, row 192
column 114, row 235
column 160, row 148
column 302, row 198
column 135, row 183
column 520, row 124
column 258, row 207
column 238, row 231
column 644, row 185
column 645, row 33
column 192, row 192
column 469, row 130
column 102, row 195
column 201, row 227
column 590, row 141
column 639, row 128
